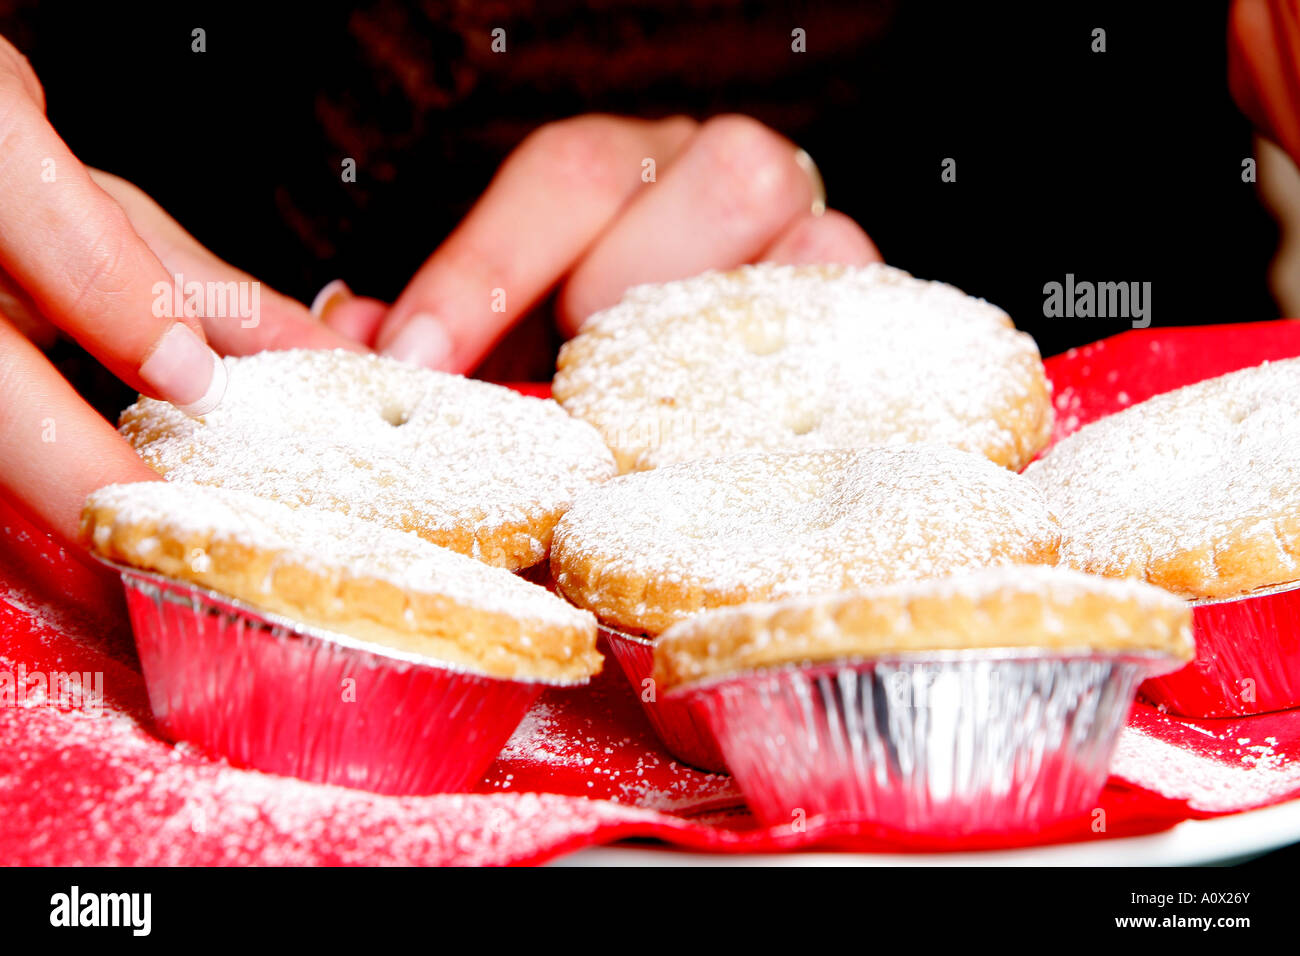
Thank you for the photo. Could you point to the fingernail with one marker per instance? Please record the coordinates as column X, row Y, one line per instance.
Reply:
column 805, row 162
column 184, row 371
column 423, row 340
column 330, row 295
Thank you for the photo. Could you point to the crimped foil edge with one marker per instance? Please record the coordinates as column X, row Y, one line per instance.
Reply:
column 312, row 633
column 683, row 733
column 1024, row 742
column 267, row 697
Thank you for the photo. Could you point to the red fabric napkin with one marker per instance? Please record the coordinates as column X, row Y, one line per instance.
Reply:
column 95, row 784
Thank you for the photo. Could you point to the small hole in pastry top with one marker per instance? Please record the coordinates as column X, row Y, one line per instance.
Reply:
column 395, row 416
column 764, row 328
column 802, row 423
column 1239, row 413
column 764, row 340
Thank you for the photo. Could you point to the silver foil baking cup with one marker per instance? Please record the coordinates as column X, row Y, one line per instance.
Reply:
column 1247, row 657
column 271, row 694
column 684, row 733
column 953, row 743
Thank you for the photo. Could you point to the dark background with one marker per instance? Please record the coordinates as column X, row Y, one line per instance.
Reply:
column 1120, row 166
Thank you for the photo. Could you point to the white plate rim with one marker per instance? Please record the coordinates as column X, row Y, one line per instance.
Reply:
column 1226, row 839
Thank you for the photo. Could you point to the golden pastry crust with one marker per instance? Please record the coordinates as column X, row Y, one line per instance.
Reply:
column 467, row 465
column 1015, row 608
column 796, row 358
column 1196, row 490
column 345, row 575
column 649, row 549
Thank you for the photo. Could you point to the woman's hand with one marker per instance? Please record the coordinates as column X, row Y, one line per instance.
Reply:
column 86, row 253
column 596, row 204
column 1264, row 67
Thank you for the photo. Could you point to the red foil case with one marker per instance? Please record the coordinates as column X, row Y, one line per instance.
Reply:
column 684, row 733
column 270, row 694
column 946, row 744
column 1247, row 658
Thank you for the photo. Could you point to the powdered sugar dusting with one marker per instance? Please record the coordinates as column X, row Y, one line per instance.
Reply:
column 765, row 526
column 539, row 737
column 1056, row 586
column 406, row 447
column 793, row 358
column 1024, row 606
column 83, row 790
column 604, row 741
column 155, row 805
column 1194, row 472
column 335, row 545
column 1240, row 773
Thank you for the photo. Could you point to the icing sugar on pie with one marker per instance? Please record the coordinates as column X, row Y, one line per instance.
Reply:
column 645, row 550
column 464, row 464
column 1055, row 609
column 347, row 575
column 797, row 358
column 1196, row 490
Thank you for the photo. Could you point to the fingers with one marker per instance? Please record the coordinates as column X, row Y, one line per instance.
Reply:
column 351, row 316
column 331, row 294
column 1263, row 52
column 243, row 315
column 17, row 64
column 73, row 251
column 24, row 315
column 55, row 448
column 735, row 187
column 549, row 201
column 832, row 237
